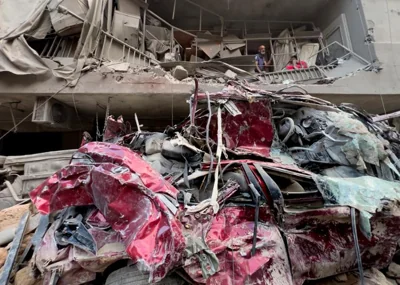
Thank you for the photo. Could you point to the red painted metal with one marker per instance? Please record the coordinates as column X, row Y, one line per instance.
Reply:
column 231, row 238
column 126, row 190
column 250, row 133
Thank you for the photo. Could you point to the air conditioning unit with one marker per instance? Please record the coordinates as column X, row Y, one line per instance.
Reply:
column 52, row 112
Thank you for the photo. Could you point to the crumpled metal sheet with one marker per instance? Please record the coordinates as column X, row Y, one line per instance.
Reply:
column 250, row 132
column 112, row 153
column 321, row 243
column 231, row 238
column 78, row 266
column 347, row 141
column 365, row 193
column 48, row 258
column 115, row 128
column 127, row 192
column 197, row 221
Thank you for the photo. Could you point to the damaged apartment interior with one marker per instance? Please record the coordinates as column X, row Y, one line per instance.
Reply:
column 197, row 142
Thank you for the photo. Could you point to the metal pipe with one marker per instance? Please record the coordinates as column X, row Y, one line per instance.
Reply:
column 222, row 35
column 272, row 54
column 195, row 43
column 172, row 39
column 356, row 244
column 109, row 14
column 64, row 48
column 271, row 38
column 205, row 9
column 350, row 51
column 102, row 49
column 13, row 252
column 245, row 36
column 201, row 19
column 173, row 10
column 55, row 50
column 70, row 47
column 51, row 47
column 109, row 47
column 45, row 47
column 142, row 47
column 13, row 193
column 278, row 22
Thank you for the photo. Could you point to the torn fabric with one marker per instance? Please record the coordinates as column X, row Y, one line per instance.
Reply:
column 36, row 23
column 16, row 56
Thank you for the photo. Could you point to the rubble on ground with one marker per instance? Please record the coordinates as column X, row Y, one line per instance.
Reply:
column 254, row 187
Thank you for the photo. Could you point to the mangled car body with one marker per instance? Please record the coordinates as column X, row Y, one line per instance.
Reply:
column 254, row 187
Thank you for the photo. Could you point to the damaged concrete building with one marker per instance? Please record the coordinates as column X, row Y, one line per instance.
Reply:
column 199, row 142
column 350, row 47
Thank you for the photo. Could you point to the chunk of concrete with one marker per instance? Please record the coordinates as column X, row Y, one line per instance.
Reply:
column 159, row 71
column 230, row 74
column 221, row 80
column 180, row 73
column 393, row 270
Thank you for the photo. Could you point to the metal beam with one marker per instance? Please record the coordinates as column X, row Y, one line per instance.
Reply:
column 13, row 252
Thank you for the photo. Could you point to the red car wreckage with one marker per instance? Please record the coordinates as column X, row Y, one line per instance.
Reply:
column 236, row 194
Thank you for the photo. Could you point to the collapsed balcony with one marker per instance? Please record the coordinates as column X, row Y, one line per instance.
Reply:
column 135, row 35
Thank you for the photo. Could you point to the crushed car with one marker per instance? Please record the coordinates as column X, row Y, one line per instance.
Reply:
column 254, row 187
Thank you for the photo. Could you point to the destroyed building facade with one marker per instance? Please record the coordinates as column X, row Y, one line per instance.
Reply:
column 98, row 47
column 199, row 142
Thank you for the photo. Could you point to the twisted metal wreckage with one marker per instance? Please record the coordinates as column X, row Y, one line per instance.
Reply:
column 255, row 187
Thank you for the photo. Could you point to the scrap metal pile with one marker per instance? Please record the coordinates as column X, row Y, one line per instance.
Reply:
column 255, row 187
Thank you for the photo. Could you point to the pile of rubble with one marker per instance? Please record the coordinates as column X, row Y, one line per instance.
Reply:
column 254, row 187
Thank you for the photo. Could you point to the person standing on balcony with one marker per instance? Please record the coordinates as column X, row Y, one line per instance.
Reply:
column 261, row 62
